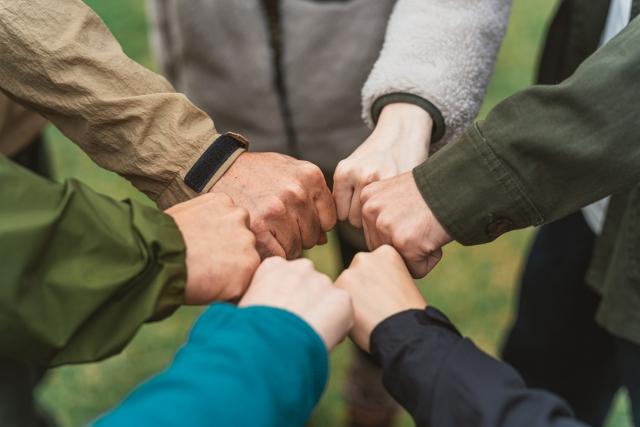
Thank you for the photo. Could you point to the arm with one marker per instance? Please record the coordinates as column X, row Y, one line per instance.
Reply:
column 262, row 365
column 443, row 379
column 439, row 56
column 80, row 271
column 544, row 152
column 59, row 59
column 425, row 88
column 439, row 377
column 250, row 366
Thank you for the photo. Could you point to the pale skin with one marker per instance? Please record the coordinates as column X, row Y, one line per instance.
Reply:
column 399, row 142
column 215, row 271
column 380, row 286
column 396, row 214
column 289, row 204
column 297, row 287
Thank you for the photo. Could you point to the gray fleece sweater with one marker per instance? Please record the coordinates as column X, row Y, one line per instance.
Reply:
column 337, row 60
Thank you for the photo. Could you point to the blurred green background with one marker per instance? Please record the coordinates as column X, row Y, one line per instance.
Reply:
column 475, row 286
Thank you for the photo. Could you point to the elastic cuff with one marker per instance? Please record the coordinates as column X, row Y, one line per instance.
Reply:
column 169, row 257
column 439, row 126
column 473, row 194
column 205, row 170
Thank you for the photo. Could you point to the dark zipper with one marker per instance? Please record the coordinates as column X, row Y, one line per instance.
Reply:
column 273, row 16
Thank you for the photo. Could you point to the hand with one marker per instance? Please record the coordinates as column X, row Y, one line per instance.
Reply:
column 221, row 253
column 297, row 287
column 395, row 213
column 288, row 201
column 380, row 286
column 399, row 143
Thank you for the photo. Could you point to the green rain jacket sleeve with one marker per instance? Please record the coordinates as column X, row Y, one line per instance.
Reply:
column 544, row 152
column 255, row 366
column 80, row 272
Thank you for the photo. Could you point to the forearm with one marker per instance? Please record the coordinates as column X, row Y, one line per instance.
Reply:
column 251, row 366
column 439, row 56
column 81, row 272
column 442, row 379
column 61, row 60
column 543, row 153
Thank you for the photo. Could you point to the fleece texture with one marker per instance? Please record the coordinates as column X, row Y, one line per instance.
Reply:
column 442, row 51
column 219, row 53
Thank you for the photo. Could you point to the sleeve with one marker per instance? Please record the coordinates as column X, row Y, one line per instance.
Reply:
column 80, row 272
column 543, row 153
column 256, row 366
column 444, row 380
column 440, row 56
column 59, row 59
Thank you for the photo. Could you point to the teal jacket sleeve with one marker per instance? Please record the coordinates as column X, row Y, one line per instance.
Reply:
column 544, row 152
column 256, row 366
column 81, row 272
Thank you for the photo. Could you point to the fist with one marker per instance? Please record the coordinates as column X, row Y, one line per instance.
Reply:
column 399, row 143
column 290, row 206
column 380, row 286
column 395, row 213
column 297, row 287
column 221, row 250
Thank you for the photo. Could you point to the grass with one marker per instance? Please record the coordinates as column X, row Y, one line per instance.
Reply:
column 475, row 286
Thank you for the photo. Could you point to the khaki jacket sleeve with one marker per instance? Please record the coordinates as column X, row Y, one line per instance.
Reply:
column 59, row 59
column 545, row 152
column 80, row 272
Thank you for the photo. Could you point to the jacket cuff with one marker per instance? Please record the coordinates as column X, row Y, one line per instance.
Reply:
column 409, row 339
column 204, row 169
column 473, row 193
column 439, row 126
column 168, row 257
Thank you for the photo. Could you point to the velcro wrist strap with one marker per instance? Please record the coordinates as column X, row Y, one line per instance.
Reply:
column 213, row 159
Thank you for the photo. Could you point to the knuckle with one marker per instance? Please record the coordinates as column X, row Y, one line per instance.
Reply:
column 274, row 207
column 304, row 264
column 360, row 258
column 295, row 193
column 367, row 193
column 384, row 224
column 403, row 241
column 369, row 211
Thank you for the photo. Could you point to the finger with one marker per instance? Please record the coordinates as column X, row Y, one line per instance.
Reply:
column 374, row 236
column 342, row 194
column 418, row 268
column 307, row 218
column 355, row 210
column 267, row 246
column 287, row 234
column 367, row 236
column 433, row 259
column 323, row 240
column 326, row 209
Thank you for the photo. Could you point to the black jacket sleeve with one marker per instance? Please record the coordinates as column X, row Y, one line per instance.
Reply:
column 443, row 379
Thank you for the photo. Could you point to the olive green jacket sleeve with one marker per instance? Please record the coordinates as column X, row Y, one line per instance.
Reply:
column 80, row 272
column 544, row 152
column 59, row 59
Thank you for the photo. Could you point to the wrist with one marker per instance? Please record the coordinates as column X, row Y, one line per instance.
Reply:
column 405, row 123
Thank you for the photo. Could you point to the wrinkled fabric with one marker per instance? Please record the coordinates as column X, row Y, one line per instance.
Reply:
column 443, row 379
column 546, row 152
column 61, row 61
column 80, row 272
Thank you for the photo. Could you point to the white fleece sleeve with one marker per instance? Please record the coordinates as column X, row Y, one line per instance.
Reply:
column 442, row 51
